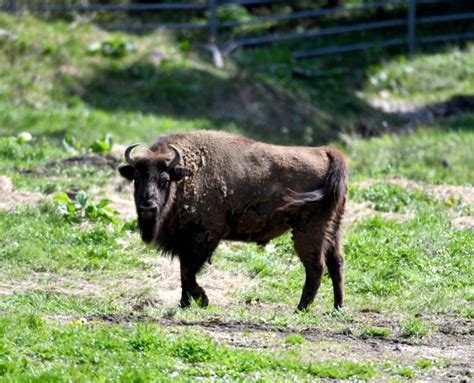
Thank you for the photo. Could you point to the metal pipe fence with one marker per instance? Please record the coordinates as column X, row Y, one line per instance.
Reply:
column 407, row 26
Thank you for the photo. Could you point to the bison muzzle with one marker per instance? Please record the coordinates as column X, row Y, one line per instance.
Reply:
column 194, row 189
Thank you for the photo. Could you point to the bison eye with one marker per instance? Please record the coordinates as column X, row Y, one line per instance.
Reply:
column 164, row 180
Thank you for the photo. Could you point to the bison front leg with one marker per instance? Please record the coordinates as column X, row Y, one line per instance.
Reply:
column 193, row 255
column 189, row 286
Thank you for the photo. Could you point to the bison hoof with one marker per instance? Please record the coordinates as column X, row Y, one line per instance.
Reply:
column 200, row 298
column 301, row 309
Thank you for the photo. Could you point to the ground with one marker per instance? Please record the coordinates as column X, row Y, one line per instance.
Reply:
column 81, row 298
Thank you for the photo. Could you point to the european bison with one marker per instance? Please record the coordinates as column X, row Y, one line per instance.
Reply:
column 194, row 189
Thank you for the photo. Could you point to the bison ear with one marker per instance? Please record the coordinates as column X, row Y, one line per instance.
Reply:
column 178, row 173
column 127, row 171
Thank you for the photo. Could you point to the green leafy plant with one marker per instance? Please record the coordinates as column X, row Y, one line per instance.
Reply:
column 23, row 137
column 100, row 146
column 71, row 146
column 82, row 207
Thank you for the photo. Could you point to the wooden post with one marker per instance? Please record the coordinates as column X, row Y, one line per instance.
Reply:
column 212, row 6
column 411, row 38
column 212, row 46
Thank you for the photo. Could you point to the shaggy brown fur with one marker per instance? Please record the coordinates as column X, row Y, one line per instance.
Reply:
column 230, row 187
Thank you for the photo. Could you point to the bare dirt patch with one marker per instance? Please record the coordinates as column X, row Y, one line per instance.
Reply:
column 107, row 161
column 463, row 222
column 356, row 211
column 415, row 113
column 50, row 282
column 221, row 286
column 10, row 198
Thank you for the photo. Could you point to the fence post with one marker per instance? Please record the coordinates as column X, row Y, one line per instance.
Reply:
column 212, row 46
column 10, row 5
column 212, row 5
column 411, row 26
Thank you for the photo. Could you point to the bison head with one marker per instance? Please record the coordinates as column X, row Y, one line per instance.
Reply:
column 154, row 177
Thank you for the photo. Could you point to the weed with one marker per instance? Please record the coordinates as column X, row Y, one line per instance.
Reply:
column 414, row 328
column 375, row 331
column 193, row 350
column 294, row 339
column 99, row 146
column 406, row 372
column 424, row 364
column 83, row 207
column 23, row 137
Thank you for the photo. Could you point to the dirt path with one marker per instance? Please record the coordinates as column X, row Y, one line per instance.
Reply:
column 10, row 198
column 414, row 113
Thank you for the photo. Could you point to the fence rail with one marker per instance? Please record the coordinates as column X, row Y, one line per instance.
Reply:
column 213, row 25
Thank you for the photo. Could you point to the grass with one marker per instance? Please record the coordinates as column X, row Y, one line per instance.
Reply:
column 46, row 241
column 421, row 264
column 415, row 328
column 82, row 351
column 435, row 155
column 80, row 295
column 376, row 331
column 424, row 79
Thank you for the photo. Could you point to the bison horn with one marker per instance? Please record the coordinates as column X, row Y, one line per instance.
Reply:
column 177, row 158
column 128, row 151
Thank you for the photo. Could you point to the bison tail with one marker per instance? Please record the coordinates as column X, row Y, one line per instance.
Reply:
column 333, row 192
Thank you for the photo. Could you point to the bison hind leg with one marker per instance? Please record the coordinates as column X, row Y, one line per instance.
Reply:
column 309, row 246
column 335, row 264
column 318, row 244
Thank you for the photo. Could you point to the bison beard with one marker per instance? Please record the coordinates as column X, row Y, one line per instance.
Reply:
column 206, row 186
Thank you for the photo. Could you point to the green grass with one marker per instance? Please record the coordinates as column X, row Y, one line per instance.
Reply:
column 36, row 165
column 414, row 328
column 46, row 241
column 376, row 331
column 438, row 154
column 51, row 303
column 421, row 264
column 36, row 350
column 392, row 198
column 294, row 339
column 424, row 78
